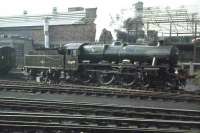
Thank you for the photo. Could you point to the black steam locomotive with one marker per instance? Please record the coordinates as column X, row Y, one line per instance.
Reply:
column 120, row 64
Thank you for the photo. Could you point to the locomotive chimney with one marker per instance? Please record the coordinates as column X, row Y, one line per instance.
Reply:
column 46, row 32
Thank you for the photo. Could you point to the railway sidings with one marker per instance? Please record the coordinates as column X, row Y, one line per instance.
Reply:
column 99, row 91
column 55, row 116
column 42, row 115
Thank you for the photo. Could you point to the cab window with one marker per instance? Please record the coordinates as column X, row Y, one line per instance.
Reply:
column 68, row 52
column 72, row 52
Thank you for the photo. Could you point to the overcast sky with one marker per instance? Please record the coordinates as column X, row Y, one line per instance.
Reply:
column 104, row 7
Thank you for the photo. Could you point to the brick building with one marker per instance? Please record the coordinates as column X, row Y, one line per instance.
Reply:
column 76, row 25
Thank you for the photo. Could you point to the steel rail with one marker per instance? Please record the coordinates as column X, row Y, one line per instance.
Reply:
column 98, row 109
column 62, row 120
column 120, row 93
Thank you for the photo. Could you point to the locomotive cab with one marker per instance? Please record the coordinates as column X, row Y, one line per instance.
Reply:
column 71, row 57
column 72, row 65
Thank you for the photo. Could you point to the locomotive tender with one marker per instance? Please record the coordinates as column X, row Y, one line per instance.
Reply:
column 127, row 65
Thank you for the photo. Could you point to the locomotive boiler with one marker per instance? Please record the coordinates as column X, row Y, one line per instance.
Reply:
column 134, row 53
column 120, row 64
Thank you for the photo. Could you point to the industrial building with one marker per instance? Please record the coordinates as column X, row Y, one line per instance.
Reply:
column 179, row 27
column 26, row 32
column 75, row 25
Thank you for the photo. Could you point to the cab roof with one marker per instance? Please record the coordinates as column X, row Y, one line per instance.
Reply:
column 74, row 45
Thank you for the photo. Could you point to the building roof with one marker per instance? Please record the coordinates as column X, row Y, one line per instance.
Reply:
column 76, row 17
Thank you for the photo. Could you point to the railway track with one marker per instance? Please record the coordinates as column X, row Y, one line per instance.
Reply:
column 39, row 127
column 56, row 115
column 100, row 91
column 33, row 83
column 97, row 109
column 92, row 121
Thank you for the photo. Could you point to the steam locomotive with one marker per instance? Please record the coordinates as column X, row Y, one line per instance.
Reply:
column 7, row 59
column 105, row 64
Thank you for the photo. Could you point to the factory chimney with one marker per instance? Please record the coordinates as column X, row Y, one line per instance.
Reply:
column 139, row 9
column 54, row 11
column 139, row 15
column 25, row 12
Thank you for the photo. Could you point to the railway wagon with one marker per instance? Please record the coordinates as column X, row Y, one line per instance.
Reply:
column 106, row 64
column 7, row 59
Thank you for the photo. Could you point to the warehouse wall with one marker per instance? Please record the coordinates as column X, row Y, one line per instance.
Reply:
column 60, row 34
